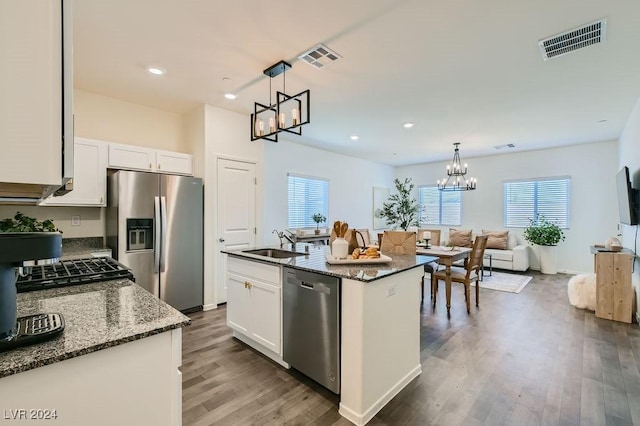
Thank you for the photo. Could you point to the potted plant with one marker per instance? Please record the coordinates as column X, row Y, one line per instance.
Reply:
column 401, row 210
column 318, row 218
column 23, row 223
column 545, row 235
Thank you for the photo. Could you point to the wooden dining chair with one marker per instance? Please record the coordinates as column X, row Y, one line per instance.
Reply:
column 466, row 275
column 398, row 242
column 432, row 267
column 365, row 236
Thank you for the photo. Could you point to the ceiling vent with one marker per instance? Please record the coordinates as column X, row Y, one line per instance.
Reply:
column 509, row 145
column 319, row 56
column 577, row 38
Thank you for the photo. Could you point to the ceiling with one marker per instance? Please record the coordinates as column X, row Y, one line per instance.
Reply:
column 462, row 71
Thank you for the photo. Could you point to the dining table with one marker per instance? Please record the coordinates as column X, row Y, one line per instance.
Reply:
column 447, row 256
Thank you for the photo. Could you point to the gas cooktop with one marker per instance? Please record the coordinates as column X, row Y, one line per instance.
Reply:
column 72, row 272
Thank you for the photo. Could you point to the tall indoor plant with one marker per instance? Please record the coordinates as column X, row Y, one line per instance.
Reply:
column 401, row 209
column 545, row 235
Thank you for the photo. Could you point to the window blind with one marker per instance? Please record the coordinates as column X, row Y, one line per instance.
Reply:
column 439, row 207
column 307, row 196
column 526, row 199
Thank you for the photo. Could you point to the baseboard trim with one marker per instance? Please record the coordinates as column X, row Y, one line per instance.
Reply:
column 209, row 307
column 363, row 418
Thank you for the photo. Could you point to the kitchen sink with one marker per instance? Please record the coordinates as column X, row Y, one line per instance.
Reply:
column 274, row 253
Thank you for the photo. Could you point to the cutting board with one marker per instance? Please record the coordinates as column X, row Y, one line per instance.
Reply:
column 349, row 261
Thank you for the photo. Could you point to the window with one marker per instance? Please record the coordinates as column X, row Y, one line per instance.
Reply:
column 439, row 207
column 307, row 196
column 526, row 199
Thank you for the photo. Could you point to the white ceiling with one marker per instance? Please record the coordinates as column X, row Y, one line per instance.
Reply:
column 464, row 71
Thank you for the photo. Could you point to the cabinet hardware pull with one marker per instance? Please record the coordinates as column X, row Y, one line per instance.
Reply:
column 158, row 166
column 150, row 166
column 101, row 200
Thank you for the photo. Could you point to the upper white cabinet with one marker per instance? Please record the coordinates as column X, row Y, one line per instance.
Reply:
column 132, row 157
column 89, row 183
column 36, row 95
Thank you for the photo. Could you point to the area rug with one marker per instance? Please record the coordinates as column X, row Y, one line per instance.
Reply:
column 502, row 281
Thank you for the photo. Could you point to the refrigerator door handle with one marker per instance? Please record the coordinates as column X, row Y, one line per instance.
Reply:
column 158, row 233
column 163, row 243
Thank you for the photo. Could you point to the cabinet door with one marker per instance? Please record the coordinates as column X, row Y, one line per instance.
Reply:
column 31, row 92
column 174, row 162
column 131, row 157
column 238, row 304
column 265, row 315
column 89, row 182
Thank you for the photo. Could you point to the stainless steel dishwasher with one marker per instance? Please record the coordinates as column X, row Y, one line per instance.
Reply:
column 311, row 317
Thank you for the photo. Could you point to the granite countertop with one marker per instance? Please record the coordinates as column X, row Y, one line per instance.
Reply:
column 315, row 261
column 97, row 316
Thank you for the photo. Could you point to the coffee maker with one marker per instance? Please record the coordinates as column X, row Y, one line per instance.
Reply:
column 15, row 249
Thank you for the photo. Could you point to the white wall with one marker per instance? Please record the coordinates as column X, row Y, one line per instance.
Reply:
column 91, row 220
column 592, row 168
column 629, row 155
column 351, row 183
column 114, row 120
column 214, row 133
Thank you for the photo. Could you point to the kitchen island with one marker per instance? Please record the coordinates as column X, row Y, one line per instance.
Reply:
column 379, row 319
column 115, row 363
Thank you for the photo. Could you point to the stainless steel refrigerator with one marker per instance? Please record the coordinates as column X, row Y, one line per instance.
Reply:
column 154, row 225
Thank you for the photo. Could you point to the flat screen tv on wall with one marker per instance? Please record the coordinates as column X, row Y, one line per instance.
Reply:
column 627, row 198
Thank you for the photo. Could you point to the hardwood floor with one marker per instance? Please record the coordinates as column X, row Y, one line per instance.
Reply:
column 518, row 359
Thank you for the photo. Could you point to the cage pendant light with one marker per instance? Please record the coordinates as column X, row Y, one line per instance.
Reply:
column 456, row 179
column 288, row 114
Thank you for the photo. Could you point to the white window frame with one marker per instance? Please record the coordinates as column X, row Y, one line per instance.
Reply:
column 307, row 222
column 439, row 220
column 551, row 214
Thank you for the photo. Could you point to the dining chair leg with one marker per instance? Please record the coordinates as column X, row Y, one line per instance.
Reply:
column 477, row 292
column 467, row 297
column 434, row 290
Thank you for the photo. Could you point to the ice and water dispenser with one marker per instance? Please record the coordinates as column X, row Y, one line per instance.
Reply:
column 139, row 234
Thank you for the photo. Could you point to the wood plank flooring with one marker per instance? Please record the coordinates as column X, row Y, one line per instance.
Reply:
column 518, row 359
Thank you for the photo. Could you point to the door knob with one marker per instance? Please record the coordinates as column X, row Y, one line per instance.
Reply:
column 221, row 240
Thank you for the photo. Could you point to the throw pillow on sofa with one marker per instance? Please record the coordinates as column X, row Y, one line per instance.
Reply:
column 460, row 237
column 497, row 239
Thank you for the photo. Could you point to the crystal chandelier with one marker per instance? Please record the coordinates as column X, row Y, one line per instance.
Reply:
column 456, row 179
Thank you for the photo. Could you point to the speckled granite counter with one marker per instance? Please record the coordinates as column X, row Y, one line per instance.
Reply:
column 77, row 248
column 97, row 316
column 315, row 261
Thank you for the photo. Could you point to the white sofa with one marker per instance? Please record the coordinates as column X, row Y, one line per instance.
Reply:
column 514, row 258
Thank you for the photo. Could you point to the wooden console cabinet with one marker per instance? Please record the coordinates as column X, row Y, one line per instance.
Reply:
column 614, row 293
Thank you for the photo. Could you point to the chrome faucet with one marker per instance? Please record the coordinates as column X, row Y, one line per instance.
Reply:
column 286, row 234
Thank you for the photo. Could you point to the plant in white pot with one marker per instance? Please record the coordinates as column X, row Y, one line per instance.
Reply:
column 545, row 235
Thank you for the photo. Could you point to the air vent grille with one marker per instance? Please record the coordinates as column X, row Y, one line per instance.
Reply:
column 577, row 38
column 319, row 56
column 509, row 145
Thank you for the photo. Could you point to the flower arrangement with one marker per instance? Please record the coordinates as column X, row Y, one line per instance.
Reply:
column 543, row 232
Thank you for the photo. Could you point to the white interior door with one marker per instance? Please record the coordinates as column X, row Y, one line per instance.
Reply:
column 236, row 211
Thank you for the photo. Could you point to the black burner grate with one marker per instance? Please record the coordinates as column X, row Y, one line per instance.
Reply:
column 72, row 272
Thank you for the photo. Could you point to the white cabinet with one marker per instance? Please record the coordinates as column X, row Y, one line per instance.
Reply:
column 36, row 95
column 254, row 302
column 89, row 182
column 131, row 157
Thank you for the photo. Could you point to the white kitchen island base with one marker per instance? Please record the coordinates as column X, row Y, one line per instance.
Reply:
column 380, row 351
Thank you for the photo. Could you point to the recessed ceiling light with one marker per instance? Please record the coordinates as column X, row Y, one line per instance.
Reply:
column 408, row 125
column 229, row 96
column 156, row 71
column 354, row 137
